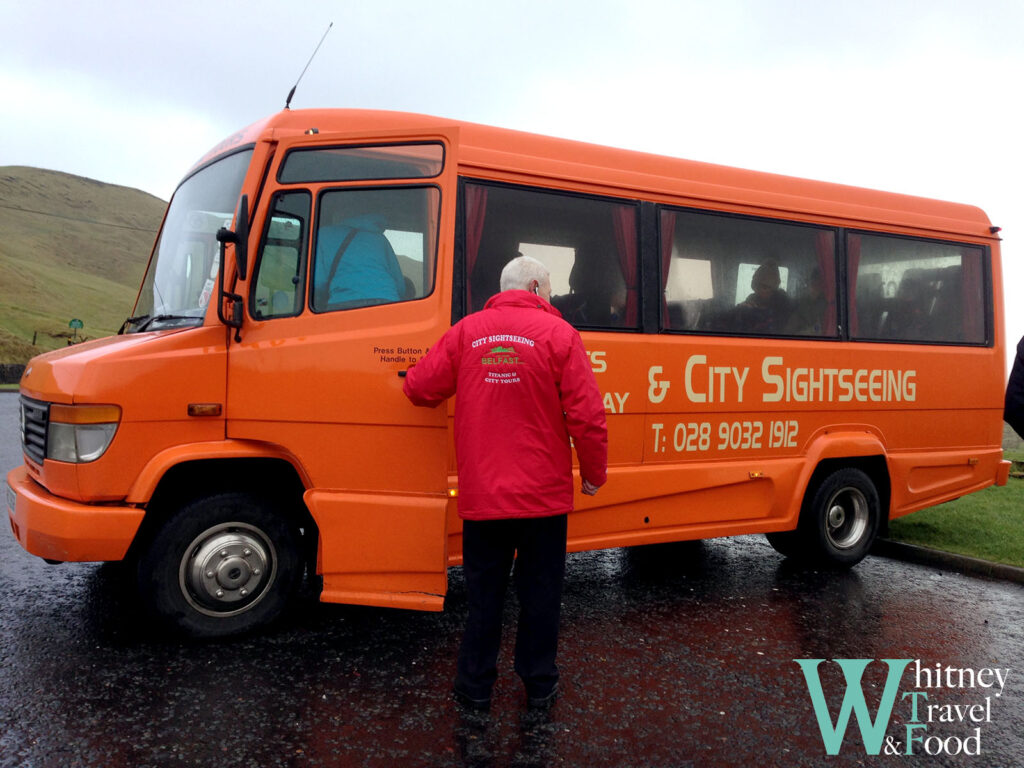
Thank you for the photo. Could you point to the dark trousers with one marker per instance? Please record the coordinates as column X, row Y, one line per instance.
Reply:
column 537, row 546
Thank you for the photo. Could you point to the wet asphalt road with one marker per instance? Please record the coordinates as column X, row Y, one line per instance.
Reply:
column 671, row 656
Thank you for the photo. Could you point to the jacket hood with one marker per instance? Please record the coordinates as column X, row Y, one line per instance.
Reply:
column 520, row 298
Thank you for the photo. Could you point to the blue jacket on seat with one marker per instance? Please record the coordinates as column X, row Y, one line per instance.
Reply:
column 367, row 270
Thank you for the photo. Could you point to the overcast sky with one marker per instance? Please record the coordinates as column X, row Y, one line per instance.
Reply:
column 918, row 96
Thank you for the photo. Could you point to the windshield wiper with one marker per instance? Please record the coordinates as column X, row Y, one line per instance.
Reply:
column 132, row 321
column 165, row 318
column 144, row 321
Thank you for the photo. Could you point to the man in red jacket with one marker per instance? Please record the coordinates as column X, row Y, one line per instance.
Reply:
column 525, row 387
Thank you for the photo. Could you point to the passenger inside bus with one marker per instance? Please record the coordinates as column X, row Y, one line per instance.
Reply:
column 909, row 316
column 592, row 299
column 355, row 264
column 767, row 309
column 810, row 308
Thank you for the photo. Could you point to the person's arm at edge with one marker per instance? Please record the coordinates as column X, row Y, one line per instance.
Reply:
column 585, row 417
column 432, row 380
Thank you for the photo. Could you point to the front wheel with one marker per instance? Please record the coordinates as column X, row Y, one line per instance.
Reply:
column 221, row 565
column 841, row 519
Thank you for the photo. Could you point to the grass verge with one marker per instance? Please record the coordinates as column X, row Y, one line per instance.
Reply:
column 988, row 525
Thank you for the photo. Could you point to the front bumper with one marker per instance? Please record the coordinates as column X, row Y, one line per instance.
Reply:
column 60, row 529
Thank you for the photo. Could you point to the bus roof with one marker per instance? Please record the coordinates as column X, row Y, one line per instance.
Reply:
column 497, row 153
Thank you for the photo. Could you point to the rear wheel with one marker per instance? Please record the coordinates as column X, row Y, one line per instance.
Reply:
column 221, row 565
column 841, row 519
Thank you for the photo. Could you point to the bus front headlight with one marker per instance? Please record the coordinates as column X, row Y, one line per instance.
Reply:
column 80, row 433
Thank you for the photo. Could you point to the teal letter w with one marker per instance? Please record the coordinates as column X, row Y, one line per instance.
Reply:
column 871, row 731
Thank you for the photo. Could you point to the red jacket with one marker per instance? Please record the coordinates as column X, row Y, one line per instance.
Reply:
column 525, row 385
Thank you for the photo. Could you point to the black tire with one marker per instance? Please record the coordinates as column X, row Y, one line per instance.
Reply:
column 221, row 565
column 840, row 518
column 786, row 543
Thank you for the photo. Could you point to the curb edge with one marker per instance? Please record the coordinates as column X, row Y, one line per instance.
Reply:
column 925, row 556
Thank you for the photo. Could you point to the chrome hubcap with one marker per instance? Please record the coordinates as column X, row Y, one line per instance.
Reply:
column 836, row 517
column 847, row 519
column 227, row 569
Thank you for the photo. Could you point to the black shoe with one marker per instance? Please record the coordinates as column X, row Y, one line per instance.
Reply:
column 467, row 701
column 542, row 702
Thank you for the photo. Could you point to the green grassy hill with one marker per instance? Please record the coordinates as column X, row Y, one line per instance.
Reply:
column 70, row 247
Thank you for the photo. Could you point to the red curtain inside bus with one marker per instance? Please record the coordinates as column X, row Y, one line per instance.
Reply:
column 476, row 208
column 625, row 238
column 826, row 247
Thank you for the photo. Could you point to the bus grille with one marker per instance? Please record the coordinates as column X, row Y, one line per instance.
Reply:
column 35, row 418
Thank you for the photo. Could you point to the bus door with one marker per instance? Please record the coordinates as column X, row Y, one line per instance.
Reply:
column 350, row 252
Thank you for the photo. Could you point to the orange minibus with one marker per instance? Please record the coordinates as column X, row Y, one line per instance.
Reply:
column 776, row 355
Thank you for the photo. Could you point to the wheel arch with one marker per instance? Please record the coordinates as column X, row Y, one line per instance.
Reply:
column 860, row 448
column 268, row 476
column 875, row 467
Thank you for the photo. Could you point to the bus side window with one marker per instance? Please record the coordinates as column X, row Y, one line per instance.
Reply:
column 589, row 245
column 280, row 272
column 374, row 246
column 738, row 275
column 934, row 291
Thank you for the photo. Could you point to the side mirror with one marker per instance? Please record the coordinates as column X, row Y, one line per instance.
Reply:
column 233, row 310
column 230, row 306
column 240, row 238
column 230, row 309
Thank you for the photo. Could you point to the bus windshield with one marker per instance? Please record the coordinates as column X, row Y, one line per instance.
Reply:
column 182, row 275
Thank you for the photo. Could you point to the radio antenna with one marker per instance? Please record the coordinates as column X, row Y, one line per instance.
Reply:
column 291, row 93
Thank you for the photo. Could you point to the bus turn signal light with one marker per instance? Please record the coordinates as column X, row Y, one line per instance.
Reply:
column 84, row 414
column 205, row 409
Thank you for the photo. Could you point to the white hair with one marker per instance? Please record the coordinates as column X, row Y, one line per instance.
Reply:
column 521, row 271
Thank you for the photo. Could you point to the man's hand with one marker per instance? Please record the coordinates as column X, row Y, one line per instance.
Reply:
column 589, row 488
